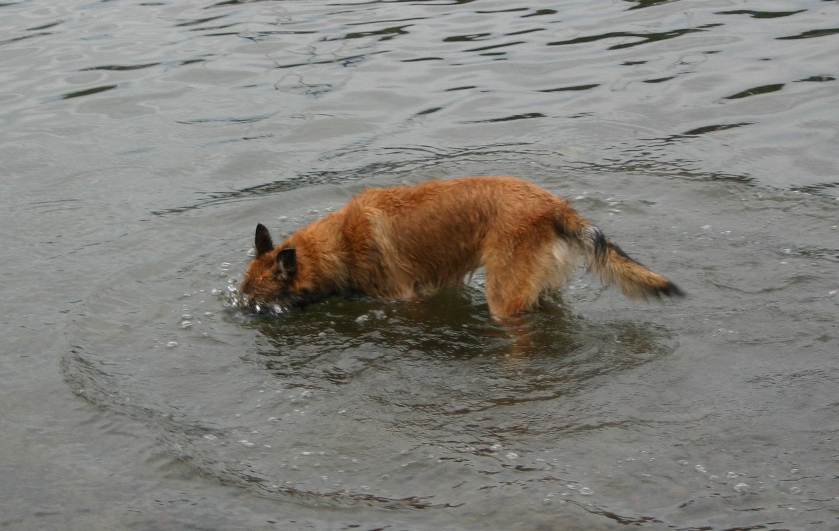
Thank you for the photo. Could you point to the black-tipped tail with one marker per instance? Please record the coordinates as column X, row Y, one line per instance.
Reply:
column 614, row 266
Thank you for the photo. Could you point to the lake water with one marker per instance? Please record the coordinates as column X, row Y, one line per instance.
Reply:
column 141, row 142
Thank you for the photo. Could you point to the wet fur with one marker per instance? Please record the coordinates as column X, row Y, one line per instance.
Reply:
column 411, row 241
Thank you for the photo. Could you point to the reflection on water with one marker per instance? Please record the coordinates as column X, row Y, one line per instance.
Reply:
column 462, row 362
column 349, row 402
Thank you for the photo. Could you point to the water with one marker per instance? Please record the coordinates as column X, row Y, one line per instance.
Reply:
column 140, row 143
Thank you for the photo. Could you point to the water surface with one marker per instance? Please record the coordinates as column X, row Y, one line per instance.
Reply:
column 141, row 142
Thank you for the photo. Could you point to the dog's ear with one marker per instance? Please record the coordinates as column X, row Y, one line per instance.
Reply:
column 262, row 241
column 287, row 262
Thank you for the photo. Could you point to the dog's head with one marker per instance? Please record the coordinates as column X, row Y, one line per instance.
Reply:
column 270, row 275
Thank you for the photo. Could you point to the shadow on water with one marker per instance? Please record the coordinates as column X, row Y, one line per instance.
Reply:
column 443, row 360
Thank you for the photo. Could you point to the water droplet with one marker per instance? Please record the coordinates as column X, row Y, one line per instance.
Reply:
column 512, row 456
column 741, row 487
column 172, row 344
column 585, row 491
column 731, row 475
column 247, row 443
column 700, row 468
column 794, row 490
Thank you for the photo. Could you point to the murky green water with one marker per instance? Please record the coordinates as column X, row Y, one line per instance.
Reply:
column 140, row 143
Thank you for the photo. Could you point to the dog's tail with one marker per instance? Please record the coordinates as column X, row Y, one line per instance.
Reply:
column 608, row 260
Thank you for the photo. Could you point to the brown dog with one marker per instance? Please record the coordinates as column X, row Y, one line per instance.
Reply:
column 411, row 241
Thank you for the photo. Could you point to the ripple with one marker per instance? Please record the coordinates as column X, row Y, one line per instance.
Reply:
column 384, row 407
column 643, row 38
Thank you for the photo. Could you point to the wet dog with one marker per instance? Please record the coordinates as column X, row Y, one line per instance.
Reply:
column 411, row 241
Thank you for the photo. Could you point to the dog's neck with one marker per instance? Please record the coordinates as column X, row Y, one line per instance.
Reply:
column 321, row 258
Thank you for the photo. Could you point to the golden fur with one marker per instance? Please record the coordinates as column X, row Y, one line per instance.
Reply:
column 411, row 241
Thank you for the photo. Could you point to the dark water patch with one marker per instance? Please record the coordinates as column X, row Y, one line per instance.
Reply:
column 817, row 79
column 514, row 117
column 817, row 188
column 713, row 128
column 12, row 40
column 434, row 2
column 235, row 2
column 643, row 38
column 811, row 34
column 468, row 38
column 227, row 120
column 120, row 68
column 761, row 14
column 267, row 35
column 639, row 4
column 659, row 80
column 763, row 89
column 87, row 92
column 493, row 46
column 429, row 111
column 574, row 88
column 508, row 10
column 385, row 33
column 198, row 21
column 524, row 32
column 540, row 13
column 386, row 21
column 421, row 59
column 344, row 60
column 192, row 61
column 46, row 26
column 831, row 255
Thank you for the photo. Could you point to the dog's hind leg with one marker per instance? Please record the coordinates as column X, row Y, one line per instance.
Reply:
column 518, row 273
